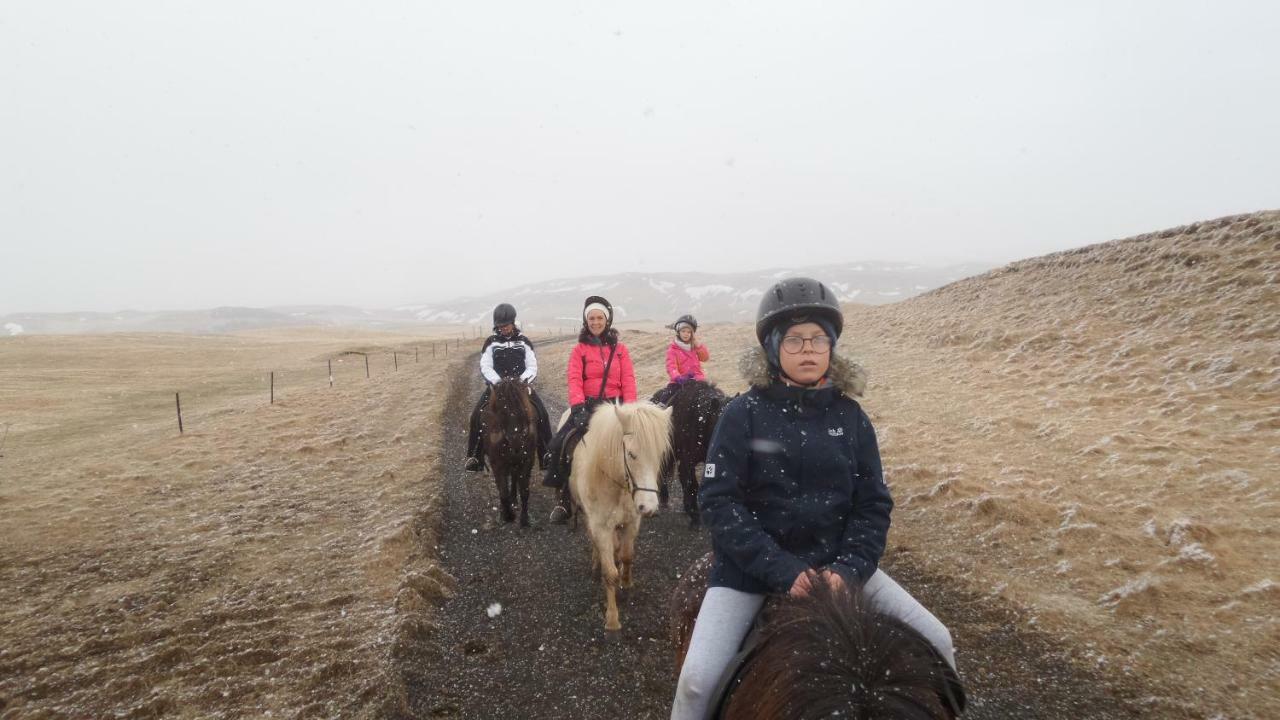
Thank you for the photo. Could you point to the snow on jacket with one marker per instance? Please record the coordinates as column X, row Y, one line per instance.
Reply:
column 684, row 363
column 508, row 357
column 586, row 370
column 793, row 481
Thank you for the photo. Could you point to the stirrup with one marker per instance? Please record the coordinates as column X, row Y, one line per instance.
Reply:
column 559, row 515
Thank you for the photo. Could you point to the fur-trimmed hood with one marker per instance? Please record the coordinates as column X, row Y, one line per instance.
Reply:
column 845, row 374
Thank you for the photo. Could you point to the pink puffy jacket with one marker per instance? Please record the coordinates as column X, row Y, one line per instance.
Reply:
column 586, row 369
column 683, row 363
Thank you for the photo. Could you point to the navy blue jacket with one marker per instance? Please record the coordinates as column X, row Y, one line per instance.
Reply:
column 793, row 481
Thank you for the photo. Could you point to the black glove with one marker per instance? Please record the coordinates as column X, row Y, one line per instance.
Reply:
column 580, row 414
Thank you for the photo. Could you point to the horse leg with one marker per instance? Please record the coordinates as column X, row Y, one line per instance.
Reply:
column 689, row 483
column 664, row 481
column 504, row 493
column 522, row 482
column 602, row 540
column 513, row 491
column 627, row 552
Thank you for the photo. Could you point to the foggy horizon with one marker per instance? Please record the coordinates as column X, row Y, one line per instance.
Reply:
column 190, row 157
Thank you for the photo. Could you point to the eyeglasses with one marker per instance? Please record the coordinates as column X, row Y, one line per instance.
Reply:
column 794, row 343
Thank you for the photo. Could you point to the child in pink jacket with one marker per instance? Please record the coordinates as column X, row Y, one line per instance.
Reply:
column 685, row 356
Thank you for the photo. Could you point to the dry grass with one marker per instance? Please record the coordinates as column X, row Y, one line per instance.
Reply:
column 264, row 563
column 1093, row 437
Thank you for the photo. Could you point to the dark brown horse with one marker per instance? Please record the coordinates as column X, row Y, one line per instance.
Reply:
column 824, row 655
column 511, row 443
column 695, row 409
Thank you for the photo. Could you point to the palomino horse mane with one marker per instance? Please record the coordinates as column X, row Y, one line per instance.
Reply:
column 649, row 424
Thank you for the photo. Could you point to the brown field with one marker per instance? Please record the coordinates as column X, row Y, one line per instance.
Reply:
column 1089, row 438
column 1093, row 437
column 254, row 566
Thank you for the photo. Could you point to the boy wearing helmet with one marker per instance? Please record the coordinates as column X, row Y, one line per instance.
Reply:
column 793, row 492
column 506, row 354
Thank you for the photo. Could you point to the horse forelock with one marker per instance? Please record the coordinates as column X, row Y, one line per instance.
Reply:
column 510, row 407
column 649, row 426
column 829, row 653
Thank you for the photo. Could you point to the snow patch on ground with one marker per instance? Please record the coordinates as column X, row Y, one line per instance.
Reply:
column 13, row 328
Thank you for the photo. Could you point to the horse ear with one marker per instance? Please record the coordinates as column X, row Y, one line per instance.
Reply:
column 624, row 418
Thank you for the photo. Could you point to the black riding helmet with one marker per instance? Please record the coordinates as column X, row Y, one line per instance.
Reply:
column 797, row 297
column 689, row 320
column 503, row 314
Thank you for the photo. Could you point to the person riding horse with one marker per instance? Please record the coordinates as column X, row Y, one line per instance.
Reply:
column 793, row 491
column 506, row 354
column 599, row 370
column 685, row 356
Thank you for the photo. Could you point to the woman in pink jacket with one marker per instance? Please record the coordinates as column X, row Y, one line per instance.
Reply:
column 685, row 356
column 599, row 370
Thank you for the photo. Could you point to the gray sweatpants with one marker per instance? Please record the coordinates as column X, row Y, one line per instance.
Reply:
column 726, row 616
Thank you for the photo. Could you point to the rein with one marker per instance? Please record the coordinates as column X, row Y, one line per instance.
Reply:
column 626, row 470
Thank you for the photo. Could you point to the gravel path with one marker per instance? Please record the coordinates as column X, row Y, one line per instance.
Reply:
column 545, row 655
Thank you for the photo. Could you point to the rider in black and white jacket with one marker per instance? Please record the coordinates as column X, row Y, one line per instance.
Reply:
column 506, row 354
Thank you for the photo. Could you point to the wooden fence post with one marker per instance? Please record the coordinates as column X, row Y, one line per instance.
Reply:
column 366, row 365
column 330, row 372
column 273, row 387
column 178, row 400
column 415, row 353
column 395, row 358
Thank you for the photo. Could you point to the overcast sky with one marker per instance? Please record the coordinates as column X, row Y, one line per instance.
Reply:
column 191, row 154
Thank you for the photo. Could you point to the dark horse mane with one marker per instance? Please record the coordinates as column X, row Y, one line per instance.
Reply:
column 509, row 403
column 510, row 424
column 829, row 654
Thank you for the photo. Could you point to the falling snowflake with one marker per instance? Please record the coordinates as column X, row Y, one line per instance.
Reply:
column 494, row 610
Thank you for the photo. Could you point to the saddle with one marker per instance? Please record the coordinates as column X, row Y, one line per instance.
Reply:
column 573, row 436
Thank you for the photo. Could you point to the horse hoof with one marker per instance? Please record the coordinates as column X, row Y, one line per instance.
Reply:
column 612, row 636
column 524, row 521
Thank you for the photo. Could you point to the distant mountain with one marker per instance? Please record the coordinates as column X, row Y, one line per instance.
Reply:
column 216, row 320
column 712, row 297
column 637, row 297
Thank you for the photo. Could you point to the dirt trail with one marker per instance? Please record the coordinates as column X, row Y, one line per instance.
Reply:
column 545, row 654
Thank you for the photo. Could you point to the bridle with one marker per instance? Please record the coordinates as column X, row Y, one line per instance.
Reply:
column 626, row 471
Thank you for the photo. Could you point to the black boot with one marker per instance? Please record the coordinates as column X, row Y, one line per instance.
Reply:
column 561, row 513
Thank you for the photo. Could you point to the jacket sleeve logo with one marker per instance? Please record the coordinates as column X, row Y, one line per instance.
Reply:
column 710, row 470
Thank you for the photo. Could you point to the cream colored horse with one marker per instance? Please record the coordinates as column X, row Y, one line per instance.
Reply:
column 615, row 483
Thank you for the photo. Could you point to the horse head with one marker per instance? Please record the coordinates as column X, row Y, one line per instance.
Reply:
column 646, row 442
